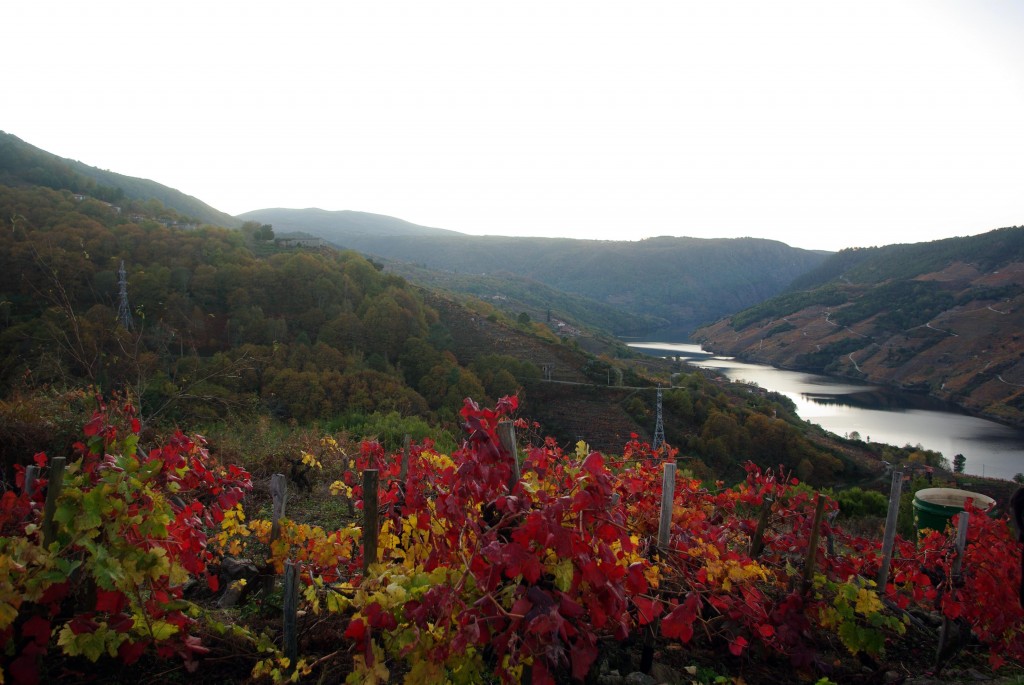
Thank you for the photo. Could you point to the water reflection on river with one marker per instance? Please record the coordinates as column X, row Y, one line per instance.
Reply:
column 878, row 414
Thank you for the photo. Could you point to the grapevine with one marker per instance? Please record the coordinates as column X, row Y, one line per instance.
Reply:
column 478, row 576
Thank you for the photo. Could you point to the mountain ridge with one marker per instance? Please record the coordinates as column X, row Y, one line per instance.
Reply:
column 682, row 281
column 685, row 281
column 323, row 219
column 24, row 163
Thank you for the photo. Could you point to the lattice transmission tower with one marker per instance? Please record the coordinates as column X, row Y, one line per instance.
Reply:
column 659, row 427
column 124, row 312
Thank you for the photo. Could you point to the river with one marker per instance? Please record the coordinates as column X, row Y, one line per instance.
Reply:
column 878, row 414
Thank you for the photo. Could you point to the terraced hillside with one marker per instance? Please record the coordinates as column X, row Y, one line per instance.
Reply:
column 949, row 327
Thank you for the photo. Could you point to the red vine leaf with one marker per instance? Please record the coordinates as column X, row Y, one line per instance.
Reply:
column 679, row 622
column 649, row 609
column 737, row 646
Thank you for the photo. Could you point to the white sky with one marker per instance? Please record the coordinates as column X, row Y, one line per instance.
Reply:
column 824, row 123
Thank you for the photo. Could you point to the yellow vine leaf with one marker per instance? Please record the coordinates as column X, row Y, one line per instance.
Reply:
column 312, row 597
column 867, row 602
column 336, row 603
column 653, row 575
column 340, row 488
column 311, row 461
column 438, row 461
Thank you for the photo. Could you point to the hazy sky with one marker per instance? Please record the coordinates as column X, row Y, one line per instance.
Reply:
column 823, row 124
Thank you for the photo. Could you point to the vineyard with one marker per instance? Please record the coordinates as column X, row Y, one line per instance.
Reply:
column 483, row 565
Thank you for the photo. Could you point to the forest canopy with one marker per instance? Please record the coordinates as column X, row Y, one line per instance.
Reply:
column 304, row 334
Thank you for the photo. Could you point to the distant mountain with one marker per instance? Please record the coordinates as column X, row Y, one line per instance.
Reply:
column 943, row 317
column 666, row 284
column 21, row 163
column 509, row 292
column 340, row 226
column 684, row 281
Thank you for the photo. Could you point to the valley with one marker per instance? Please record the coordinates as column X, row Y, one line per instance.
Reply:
column 951, row 332
column 162, row 367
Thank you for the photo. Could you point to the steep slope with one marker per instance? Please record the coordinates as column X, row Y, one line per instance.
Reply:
column 564, row 402
column 24, row 164
column 686, row 281
column 144, row 189
column 941, row 317
column 213, row 330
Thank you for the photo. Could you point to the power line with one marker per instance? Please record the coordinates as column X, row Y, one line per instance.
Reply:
column 659, row 427
column 124, row 312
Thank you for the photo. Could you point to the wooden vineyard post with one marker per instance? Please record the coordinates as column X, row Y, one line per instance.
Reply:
column 757, row 542
column 403, row 474
column 279, row 498
column 668, row 494
column 507, row 436
column 31, row 476
column 291, row 614
column 958, row 562
column 812, row 546
column 53, row 488
column 889, row 538
column 406, row 454
column 371, row 524
column 830, row 537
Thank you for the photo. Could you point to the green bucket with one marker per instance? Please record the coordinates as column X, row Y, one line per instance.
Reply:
column 934, row 507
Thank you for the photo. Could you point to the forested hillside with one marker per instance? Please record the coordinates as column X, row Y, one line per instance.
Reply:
column 684, row 281
column 310, row 334
column 942, row 317
column 218, row 334
column 228, row 328
column 24, row 164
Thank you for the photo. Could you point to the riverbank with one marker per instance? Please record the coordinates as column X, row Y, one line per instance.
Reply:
column 879, row 413
column 980, row 367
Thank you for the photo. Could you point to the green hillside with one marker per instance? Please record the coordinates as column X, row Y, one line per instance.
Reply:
column 230, row 329
column 309, row 334
column 225, row 330
column 24, row 164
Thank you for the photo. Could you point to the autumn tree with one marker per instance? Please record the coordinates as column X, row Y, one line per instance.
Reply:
column 959, row 462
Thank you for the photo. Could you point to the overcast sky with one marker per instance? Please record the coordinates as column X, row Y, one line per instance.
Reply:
column 823, row 124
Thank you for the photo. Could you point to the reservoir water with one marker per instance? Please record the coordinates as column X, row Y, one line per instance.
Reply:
column 875, row 413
